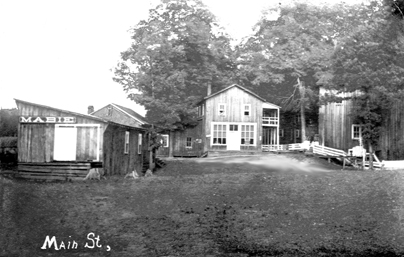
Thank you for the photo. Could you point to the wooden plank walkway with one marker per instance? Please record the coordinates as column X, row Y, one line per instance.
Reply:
column 53, row 170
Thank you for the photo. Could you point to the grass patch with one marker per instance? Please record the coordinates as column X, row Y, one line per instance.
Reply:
column 211, row 209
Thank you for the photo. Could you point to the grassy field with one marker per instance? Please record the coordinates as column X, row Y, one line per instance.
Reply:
column 238, row 206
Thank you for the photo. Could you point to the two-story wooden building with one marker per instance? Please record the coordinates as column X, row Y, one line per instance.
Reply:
column 338, row 129
column 232, row 119
column 60, row 144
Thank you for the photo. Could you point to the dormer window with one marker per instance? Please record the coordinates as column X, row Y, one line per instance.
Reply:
column 247, row 109
column 222, row 110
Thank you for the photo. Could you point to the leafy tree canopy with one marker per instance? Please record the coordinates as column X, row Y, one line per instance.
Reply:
column 370, row 62
column 175, row 54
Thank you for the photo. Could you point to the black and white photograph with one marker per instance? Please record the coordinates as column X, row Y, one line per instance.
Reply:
column 162, row 128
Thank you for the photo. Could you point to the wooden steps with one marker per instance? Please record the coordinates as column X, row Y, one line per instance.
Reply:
column 160, row 163
column 54, row 170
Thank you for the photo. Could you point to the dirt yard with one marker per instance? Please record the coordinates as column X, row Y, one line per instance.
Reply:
column 269, row 205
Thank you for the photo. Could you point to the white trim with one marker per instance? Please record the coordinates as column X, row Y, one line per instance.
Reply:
column 126, row 143
column 224, row 110
column 228, row 130
column 86, row 125
column 167, row 138
column 139, row 143
column 255, row 135
column 244, row 110
column 186, row 143
column 141, row 122
column 360, row 131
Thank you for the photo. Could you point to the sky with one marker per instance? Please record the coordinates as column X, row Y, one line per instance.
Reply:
column 62, row 53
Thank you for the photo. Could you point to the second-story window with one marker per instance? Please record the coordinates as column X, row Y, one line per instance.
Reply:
column 222, row 110
column 109, row 111
column 246, row 109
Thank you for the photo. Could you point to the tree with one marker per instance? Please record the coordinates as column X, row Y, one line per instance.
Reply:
column 176, row 53
column 293, row 51
column 8, row 122
column 370, row 62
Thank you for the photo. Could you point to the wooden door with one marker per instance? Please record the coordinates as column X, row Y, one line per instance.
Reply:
column 65, row 143
column 234, row 137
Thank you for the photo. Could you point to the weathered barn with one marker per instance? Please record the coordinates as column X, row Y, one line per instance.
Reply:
column 59, row 144
column 232, row 119
column 337, row 128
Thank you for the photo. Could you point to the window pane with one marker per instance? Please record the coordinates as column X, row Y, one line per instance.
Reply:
column 224, row 141
column 215, row 140
column 251, row 141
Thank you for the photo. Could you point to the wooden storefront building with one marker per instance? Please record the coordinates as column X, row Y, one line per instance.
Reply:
column 232, row 119
column 60, row 144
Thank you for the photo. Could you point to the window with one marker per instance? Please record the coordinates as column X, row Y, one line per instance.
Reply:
column 219, row 134
column 356, row 131
column 201, row 110
column 164, row 140
column 139, row 145
column 189, row 142
column 297, row 119
column 281, row 132
column 109, row 111
column 247, row 109
column 233, row 128
column 247, row 134
column 222, row 110
column 297, row 133
column 126, row 147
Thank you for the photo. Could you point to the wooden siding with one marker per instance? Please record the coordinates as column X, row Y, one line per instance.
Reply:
column 234, row 99
column 116, row 162
column 335, row 128
column 391, row 142
column 36, row 141
column 116, row 116
column 335, row 124
column 178, row 140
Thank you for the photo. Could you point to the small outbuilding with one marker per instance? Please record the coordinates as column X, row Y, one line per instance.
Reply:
column 60, row 144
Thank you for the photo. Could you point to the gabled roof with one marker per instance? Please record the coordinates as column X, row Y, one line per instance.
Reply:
column 266, row 104
column 240, row 87
column 61, row 110
column 131, row 113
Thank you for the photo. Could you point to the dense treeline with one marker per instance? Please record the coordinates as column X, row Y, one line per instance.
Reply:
column 295, row 48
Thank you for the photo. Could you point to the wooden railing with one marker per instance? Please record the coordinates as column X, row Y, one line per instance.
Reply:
column 328, row 151
column 268, row 121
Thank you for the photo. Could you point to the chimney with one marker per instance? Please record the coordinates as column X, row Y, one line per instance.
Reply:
column 90, row 109
column 209, row 89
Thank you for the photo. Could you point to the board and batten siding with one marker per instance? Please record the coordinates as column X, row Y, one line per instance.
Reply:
column 391, row 141
column 234, row 99
column 36, row 141
column 116, row 161
column 335, row 127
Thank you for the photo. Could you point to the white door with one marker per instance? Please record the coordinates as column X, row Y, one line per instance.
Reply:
column 234, row 137
column 65, row 143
